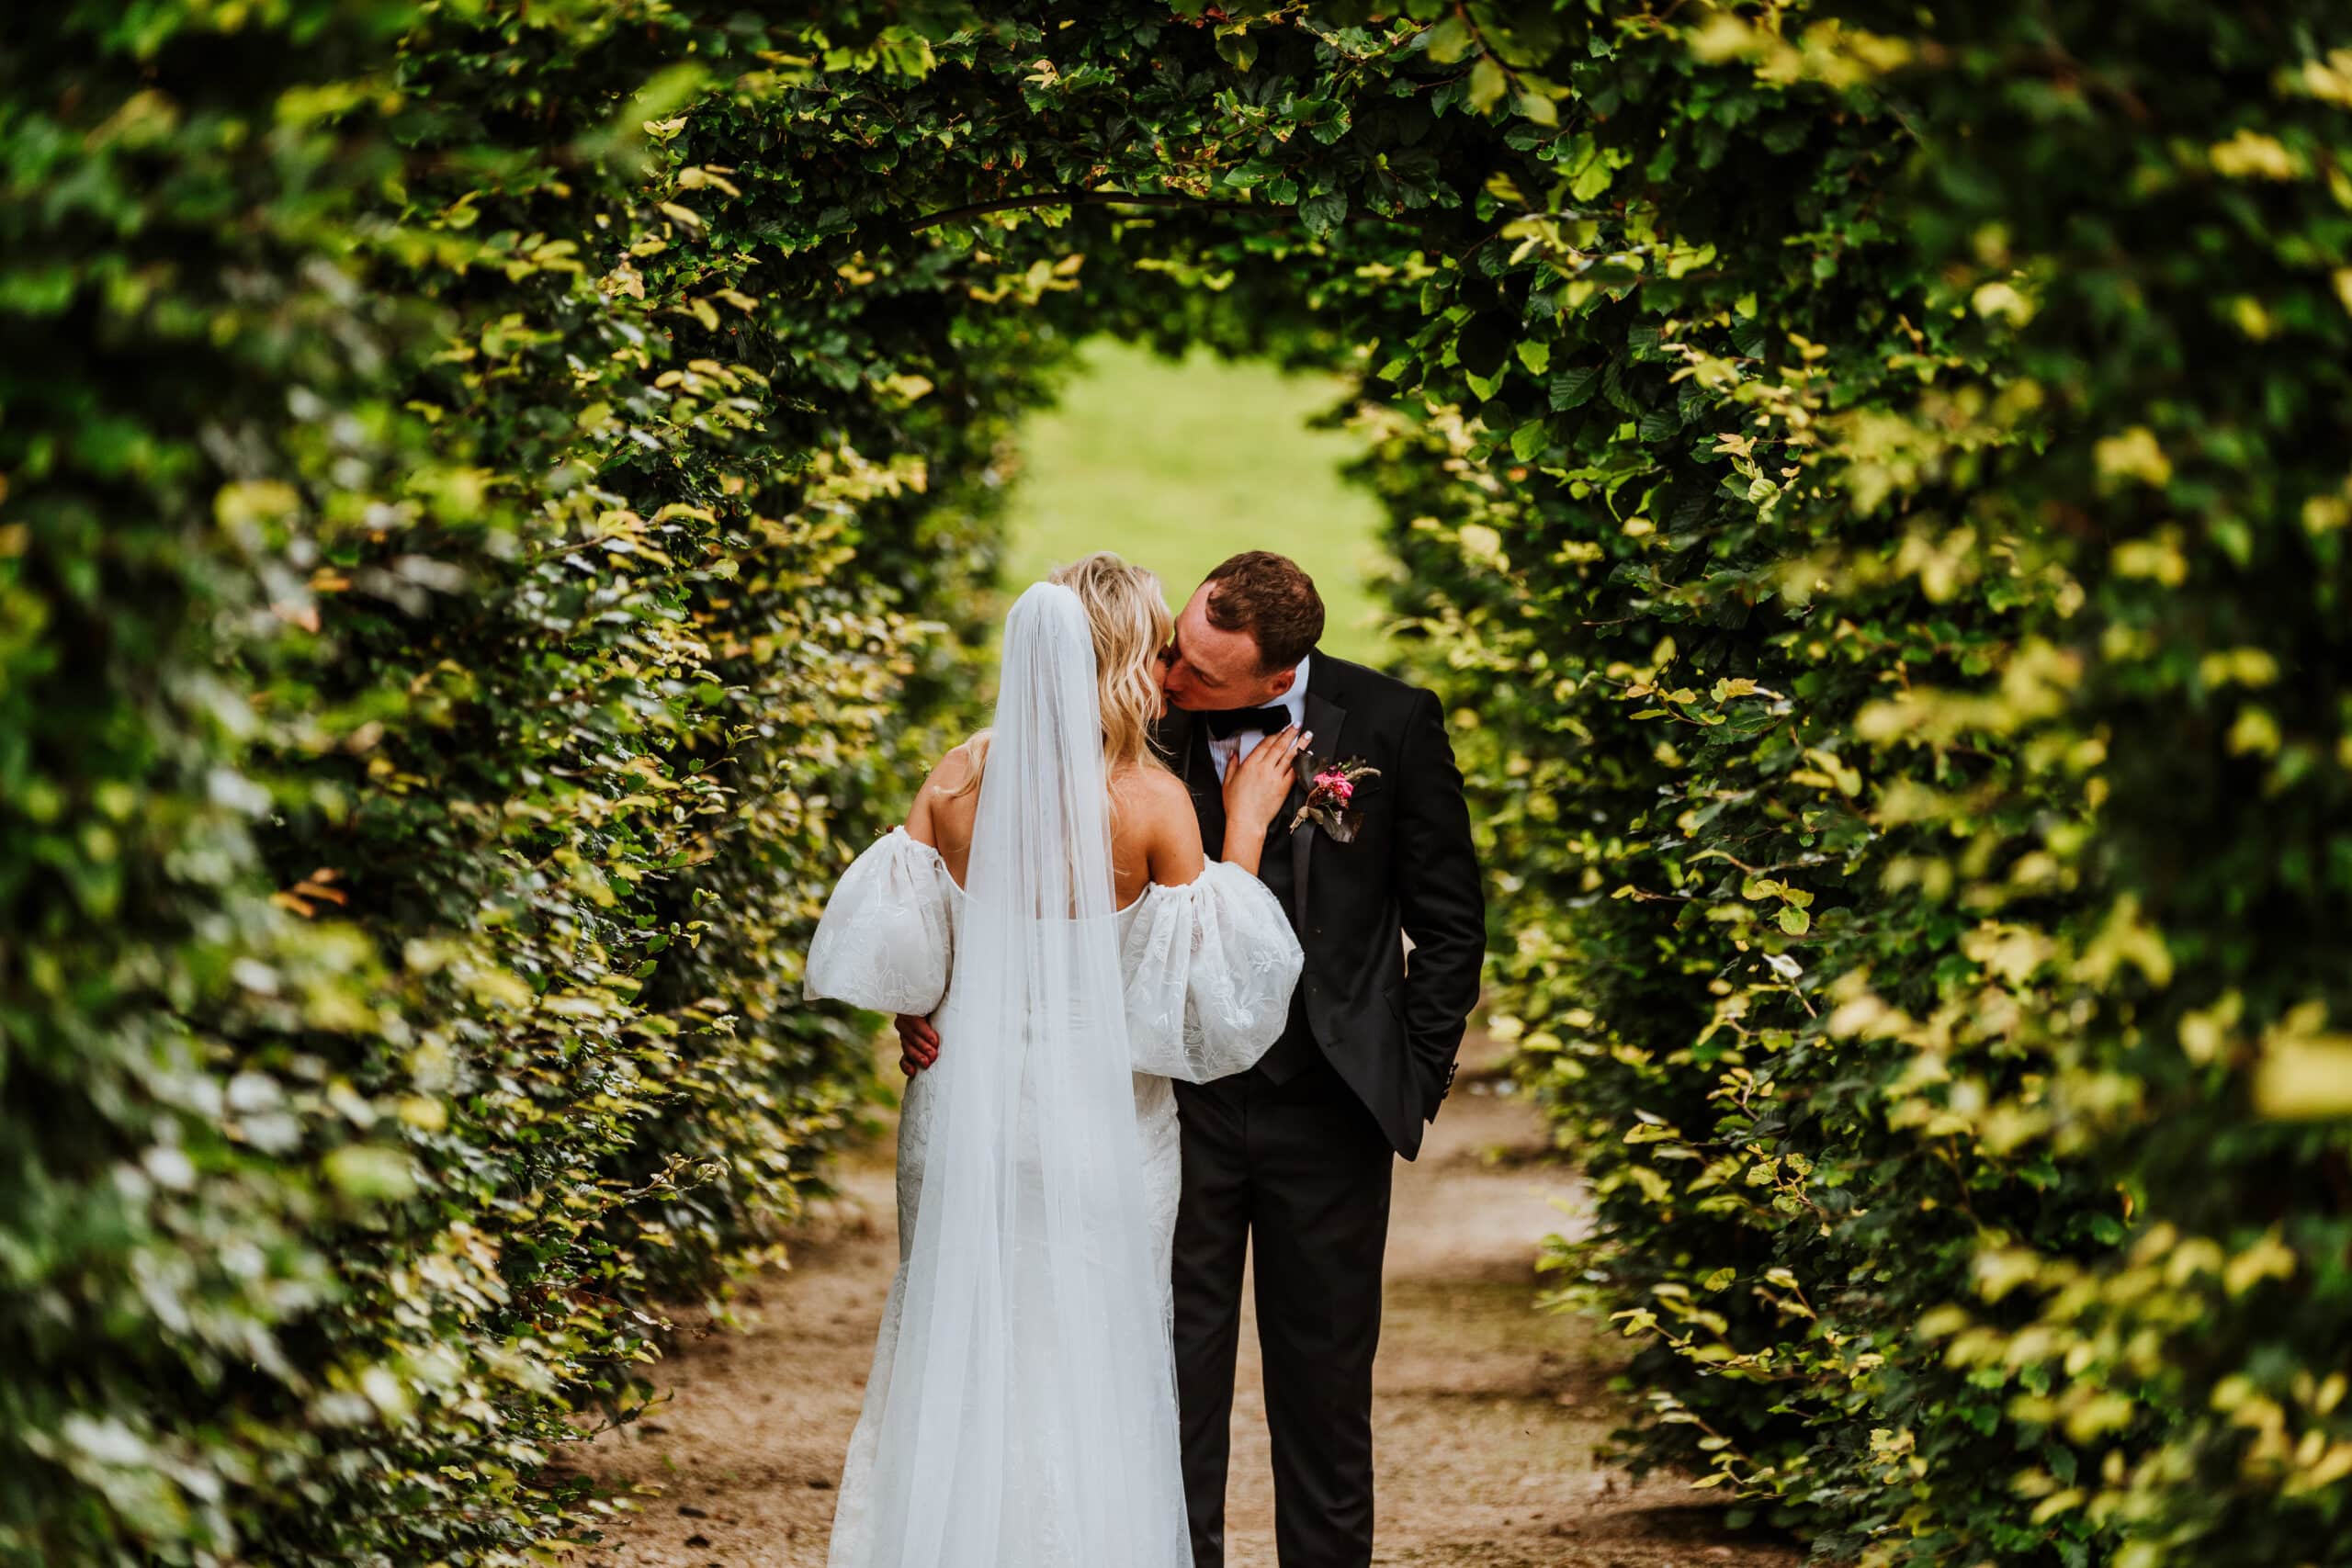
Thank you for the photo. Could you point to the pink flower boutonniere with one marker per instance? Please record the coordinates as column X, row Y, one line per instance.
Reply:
column 1330, row 794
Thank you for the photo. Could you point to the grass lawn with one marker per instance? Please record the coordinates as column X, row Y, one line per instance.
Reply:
column 1177, row 466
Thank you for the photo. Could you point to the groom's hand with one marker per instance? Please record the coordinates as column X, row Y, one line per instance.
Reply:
column 918, row 1043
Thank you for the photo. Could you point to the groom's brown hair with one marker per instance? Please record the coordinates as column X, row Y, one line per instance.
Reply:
column 1272, row 599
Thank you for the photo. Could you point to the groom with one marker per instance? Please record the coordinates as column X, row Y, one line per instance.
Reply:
column 1295, row 1154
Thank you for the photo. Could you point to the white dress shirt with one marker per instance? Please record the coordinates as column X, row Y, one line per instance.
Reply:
column 1224, row 750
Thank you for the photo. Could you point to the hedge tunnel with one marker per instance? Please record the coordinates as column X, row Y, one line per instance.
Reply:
column 498, row 501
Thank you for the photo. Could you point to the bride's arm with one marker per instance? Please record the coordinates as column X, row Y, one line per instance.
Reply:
column 887, row 939
column 942, row 813
column 1255, row 788
column 946, row 794
column 1172, row 853
column 1211, row 964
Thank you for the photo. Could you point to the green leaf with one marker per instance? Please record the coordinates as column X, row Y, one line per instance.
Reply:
column 1323, row 211
column 371, row 1173
column 1573, row 385
column 1487, row 83
column 1448, row 41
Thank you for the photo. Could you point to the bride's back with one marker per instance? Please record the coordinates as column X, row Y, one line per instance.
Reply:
column 1154, row 835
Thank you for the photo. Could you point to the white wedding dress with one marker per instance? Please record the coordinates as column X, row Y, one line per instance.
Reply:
column 1021, row 1412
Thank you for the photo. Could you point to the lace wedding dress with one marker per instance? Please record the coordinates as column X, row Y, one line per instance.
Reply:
column 1021, row 1412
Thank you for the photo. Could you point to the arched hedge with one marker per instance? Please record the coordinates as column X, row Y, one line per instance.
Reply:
column 443, row 664
column 494, row 494
column 1893, row 549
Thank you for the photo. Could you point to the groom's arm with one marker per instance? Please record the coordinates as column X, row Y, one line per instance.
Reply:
column 1440, row 895
column 918, row 1043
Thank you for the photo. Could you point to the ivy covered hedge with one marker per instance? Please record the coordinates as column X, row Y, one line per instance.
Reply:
column 442, row 662
column 494, row 496
column 1892, row 544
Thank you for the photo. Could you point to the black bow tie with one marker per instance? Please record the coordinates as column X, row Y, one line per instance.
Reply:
column 1226, row 722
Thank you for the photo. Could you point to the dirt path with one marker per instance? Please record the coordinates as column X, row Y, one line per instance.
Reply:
column 1487, row 1419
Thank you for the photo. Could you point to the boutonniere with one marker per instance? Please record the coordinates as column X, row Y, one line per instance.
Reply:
column 1330, row 794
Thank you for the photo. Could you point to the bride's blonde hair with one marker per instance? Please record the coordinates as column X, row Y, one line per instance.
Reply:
column 1129, row 615
column 1128, row 612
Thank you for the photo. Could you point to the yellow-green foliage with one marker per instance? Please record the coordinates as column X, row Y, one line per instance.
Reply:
column 443, row 664
column 488, row 488
column 1892, row 551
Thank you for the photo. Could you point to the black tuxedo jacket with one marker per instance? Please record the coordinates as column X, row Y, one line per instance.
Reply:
column 1392, row 1029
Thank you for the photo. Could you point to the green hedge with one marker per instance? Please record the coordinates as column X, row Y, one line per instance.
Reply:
column 443, row 663
column 1891, row 546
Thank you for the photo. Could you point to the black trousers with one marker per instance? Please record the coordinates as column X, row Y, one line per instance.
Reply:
column 1302, row 1170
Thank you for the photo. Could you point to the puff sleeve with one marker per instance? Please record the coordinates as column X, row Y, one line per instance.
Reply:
column 1210, row 968
column 887, row 940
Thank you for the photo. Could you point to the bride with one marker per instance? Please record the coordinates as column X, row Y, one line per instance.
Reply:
column 1048, row 905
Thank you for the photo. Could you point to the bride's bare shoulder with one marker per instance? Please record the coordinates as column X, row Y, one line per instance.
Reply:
column 945, row 804
column 1153, row 792
column 955, row 772
column 1156, row 814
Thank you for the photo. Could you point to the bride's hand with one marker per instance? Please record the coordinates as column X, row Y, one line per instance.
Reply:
column 1254, row 792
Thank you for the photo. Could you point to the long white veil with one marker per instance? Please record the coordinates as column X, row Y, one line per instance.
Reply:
column 1029, row 1419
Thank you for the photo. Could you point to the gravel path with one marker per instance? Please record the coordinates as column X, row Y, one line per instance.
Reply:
column 1488, row 1414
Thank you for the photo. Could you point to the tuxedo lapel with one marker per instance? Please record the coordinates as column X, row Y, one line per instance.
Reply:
column 1207, row 790
column 1324, row 719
